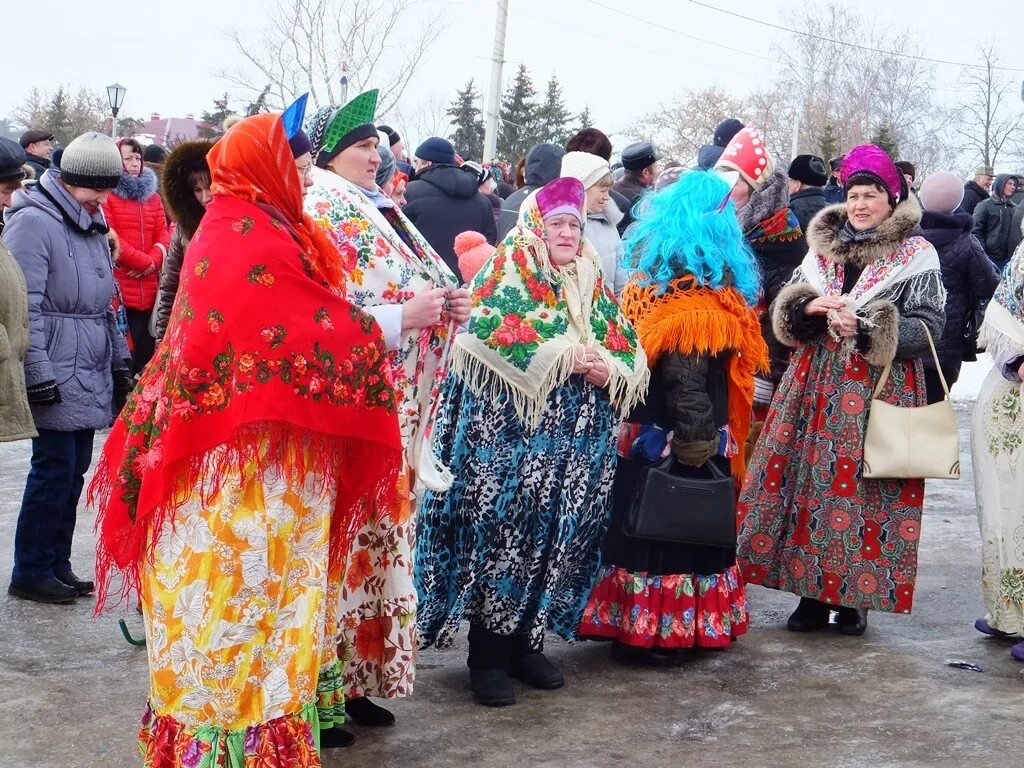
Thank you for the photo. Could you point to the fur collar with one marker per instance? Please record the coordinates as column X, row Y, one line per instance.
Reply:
column 771, row 196
column 138, row 188
column 185, row 159
column 823, row 234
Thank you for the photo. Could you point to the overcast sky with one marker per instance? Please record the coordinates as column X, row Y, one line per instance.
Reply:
column 620, row 59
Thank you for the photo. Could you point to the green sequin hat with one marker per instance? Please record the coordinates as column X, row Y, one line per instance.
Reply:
column 335, row 128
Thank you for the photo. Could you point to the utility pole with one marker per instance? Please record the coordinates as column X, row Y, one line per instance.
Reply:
column 796, row 136
column 494, row 95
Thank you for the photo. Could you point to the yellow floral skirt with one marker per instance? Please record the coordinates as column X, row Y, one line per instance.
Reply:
column 237, row 604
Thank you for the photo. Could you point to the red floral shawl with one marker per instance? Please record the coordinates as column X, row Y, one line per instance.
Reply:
column 262, row 355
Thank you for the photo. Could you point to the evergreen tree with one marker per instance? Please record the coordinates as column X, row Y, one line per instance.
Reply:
column 57, row 118
column 518, row 117
column 215, row 119
column 828, row 142
column 260, row 105
column 585, row 120
column 552, row 116
column 467, row 123
column 885, row 138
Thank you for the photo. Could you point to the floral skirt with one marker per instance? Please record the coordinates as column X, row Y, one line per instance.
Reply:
column 377, row 614
column 655, row 594
column 236, row 605
column 997, row 446
column 811, row 523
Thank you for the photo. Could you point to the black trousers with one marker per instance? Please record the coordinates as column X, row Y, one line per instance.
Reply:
column 489, row 650
column 932, row 384
column 143, row 344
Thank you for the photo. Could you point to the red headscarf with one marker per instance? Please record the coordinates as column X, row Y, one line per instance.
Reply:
column 261, row 355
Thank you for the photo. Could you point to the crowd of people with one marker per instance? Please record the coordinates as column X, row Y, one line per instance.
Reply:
column 358, row 399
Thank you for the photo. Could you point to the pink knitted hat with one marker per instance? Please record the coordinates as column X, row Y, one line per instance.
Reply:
column 473, row 251
column 872, row 162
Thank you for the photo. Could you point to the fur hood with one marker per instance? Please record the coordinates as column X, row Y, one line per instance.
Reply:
column 186, row 158
column 771, row 196
column 138, row 188
column 823, row 234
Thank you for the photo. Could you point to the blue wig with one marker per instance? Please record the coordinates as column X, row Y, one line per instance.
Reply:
column 683, row 229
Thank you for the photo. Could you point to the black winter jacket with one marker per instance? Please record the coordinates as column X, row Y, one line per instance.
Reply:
column 968, row 274
column 974, row 193
column 543, row 165
column 630, row 191
column 806, row 203
column 777, row 261
column 1016, row 227
column 993, row 219
column 444, row 201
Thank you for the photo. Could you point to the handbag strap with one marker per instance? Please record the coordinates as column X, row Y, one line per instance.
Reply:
column 935, row 356
column 666, row 466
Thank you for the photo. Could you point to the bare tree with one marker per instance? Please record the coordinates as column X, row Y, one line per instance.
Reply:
column 427, row 117
column 987, row 121
column 67, row 113
column 681, row 127
column 308, row 45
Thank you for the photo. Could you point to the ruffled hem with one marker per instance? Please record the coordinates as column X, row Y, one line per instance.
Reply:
column 672, row 611
column 330, row 696
column 290, row 741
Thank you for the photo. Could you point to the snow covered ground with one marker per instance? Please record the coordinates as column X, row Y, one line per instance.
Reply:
column 971, row 377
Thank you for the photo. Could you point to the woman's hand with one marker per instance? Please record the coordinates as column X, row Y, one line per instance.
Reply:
column 459, row 305
column 822, row 305
column 844, row 323
column 424, row 309
column 581, row 357
column 598, row 375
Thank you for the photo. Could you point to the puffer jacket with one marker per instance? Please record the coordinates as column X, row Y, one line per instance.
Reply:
column 602, row 233
column 73, row 337
column 968, row 274
column 15, row 416
column 134, row 210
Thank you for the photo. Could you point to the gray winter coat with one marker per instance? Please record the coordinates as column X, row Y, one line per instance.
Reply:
column 73, row 336
column 602, row 233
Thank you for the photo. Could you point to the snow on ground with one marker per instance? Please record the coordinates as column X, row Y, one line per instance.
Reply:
column 971, row 377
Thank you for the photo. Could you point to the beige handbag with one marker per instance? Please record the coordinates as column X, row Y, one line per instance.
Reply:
column 917, row 442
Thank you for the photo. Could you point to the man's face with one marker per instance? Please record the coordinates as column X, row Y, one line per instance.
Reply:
column 398, row 150
column 419, row 164
column 794, row 186
column 985, row 181
column 649, row 174
column 42, row 148
column 1009, row 187
column 7, row 190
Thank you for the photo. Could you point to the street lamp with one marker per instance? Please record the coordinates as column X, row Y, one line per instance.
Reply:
column 115, row 96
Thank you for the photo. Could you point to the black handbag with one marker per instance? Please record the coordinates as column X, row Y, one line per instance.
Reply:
column 696, row 507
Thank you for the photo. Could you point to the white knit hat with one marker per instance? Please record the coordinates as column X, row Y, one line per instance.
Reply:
column 584, row 166
column 93, row 161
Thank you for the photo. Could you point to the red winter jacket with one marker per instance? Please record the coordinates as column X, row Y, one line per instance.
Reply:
column 135, row 212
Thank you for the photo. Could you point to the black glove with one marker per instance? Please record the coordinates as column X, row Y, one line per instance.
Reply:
column 45, row 393
column 122, row 386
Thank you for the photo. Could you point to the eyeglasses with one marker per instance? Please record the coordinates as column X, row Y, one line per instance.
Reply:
column 305, row 170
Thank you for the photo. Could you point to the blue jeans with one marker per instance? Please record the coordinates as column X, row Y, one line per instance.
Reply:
column 46, row 524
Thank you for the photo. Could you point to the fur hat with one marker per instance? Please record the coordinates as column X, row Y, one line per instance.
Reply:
column 591, row 140
column 808, row 169
column 942, row 192
column 584, row 166
column 154, row 153
column 93, row 161
column 473, row 251
column 747, row 156
column 907, row 168
column 186, row 159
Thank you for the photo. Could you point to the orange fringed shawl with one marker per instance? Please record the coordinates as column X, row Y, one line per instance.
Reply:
column 690, row 319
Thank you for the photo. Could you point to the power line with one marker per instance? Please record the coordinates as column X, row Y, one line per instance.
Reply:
column 851, row 45
column 663, row 28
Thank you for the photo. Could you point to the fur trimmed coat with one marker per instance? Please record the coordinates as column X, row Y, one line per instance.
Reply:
column 891, row 325
column 135, row 211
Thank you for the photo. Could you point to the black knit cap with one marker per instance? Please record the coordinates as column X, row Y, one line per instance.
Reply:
column 12, row 160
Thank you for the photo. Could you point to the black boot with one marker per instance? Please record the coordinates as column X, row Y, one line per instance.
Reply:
column 81, row 586
column 530, row 665
column 809, row 616
column 49, row 590
column 651, row 657
column 852, row 621
column 336, row 737
column 492, row 687
column 365, row 712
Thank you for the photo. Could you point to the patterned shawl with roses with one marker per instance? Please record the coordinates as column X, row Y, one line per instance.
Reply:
column 262, row 358
column 387, row 261
column 528, row 317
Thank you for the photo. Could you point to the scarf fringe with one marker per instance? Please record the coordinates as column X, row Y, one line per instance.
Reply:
column 367, row 477
column 484, row 381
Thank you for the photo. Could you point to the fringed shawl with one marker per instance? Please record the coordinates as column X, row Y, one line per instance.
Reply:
column 695, row 320
column 262, row 357
column 529, row 316
column 1002, row 333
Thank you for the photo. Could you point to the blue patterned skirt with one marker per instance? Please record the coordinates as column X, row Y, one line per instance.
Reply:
column 514, row 544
